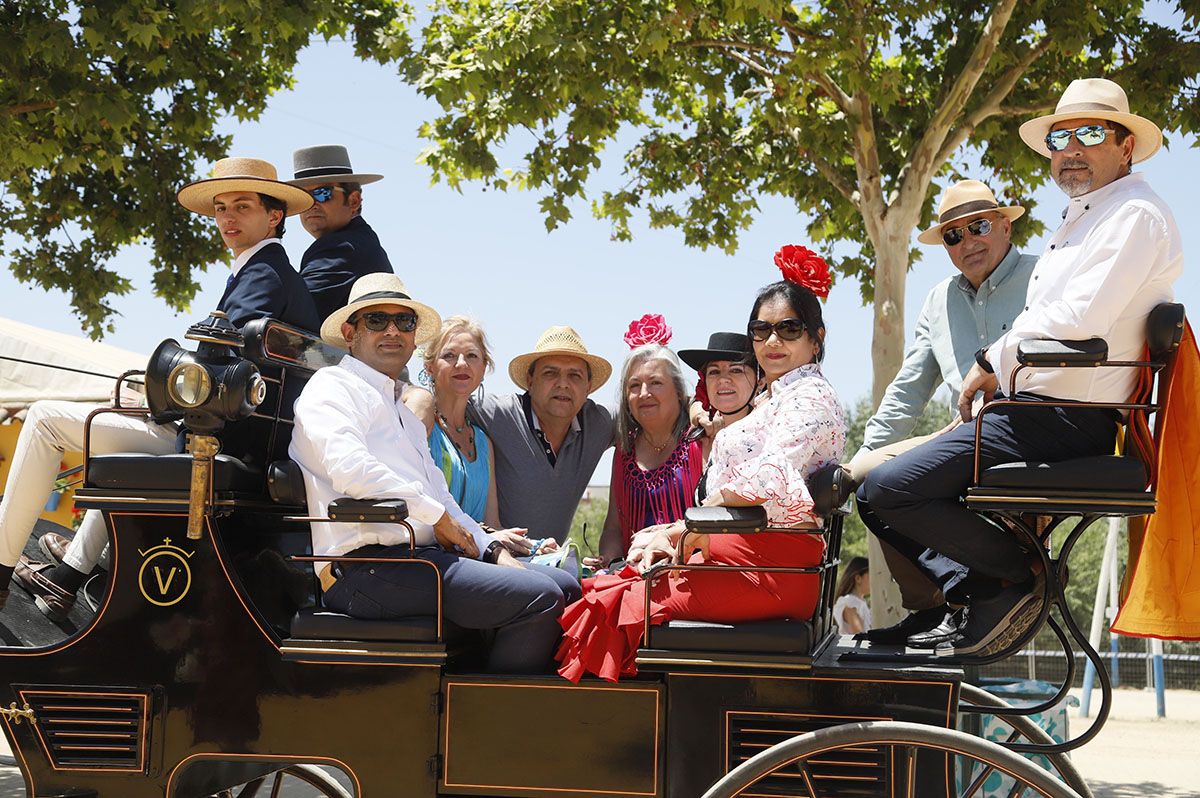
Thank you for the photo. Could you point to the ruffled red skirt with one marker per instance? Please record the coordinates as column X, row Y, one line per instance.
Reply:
column 603, row 629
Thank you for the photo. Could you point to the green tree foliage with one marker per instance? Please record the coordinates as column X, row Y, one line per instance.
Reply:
column 107, row 106
column 858, row 113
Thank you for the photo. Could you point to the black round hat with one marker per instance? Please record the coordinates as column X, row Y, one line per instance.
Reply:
column 721, row 346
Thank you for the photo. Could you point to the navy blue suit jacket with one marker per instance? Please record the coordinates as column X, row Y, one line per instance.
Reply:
column 335, row 260
column 268, row 286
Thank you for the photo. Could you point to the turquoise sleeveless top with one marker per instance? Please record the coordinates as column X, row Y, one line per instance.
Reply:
column 468, row 481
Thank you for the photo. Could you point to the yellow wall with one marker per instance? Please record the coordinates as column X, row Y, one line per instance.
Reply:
column 8, row 444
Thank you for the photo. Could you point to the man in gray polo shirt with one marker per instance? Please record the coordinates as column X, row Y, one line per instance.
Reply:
column 548, row 440
column 962, row 314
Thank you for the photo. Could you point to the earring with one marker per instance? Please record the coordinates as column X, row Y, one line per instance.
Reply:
column 479, row 393
column 424, row 378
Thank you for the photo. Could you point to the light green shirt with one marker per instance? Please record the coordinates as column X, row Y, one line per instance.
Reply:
column 955, row 323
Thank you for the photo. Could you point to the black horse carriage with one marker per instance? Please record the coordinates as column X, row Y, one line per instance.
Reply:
column 210, row 668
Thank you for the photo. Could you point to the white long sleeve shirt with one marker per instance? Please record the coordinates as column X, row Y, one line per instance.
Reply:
column 354, row 438
column 1114, row 258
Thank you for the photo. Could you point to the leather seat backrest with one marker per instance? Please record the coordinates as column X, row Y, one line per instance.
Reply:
column 1164, row 329
column 285, row 483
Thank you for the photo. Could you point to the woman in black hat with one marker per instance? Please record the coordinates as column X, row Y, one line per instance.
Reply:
column 728, row 380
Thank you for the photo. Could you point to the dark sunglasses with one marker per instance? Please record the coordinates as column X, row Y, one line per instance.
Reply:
column 323, row 193
column 786, row 329
column 378, row 321
column 954, row 236
column 1088, row 136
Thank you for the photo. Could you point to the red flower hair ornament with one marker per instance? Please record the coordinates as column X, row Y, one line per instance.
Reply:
column 802, row 266
column 649, row 329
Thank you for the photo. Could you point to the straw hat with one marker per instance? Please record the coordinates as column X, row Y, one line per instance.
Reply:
column 721, row 346
column 966, row 198
column 1095, row 98
column 326, row 163
column 379, row 288
column 241, row 174
column 559, row 341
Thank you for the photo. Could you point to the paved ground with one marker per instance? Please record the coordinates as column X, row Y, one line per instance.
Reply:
column 1134, row 756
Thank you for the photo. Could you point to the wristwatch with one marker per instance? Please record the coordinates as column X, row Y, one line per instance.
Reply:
column 981, row 359
column 492, row 552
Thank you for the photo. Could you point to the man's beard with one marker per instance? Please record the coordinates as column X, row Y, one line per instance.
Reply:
column 1073, row 183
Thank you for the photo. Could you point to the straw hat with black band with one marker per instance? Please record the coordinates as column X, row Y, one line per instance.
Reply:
column 721, row 346
column 966, row 198
column 241, row 174
column 1095, row 98
column 559, row 341
column 380, row 288
column 326, row 163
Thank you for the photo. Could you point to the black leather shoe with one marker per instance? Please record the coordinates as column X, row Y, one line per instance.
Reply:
column 916, row 623
column 945, row 631
column 996, row 623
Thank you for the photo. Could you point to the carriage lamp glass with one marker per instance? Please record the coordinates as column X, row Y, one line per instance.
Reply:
column 189, row 385
column 256, row 390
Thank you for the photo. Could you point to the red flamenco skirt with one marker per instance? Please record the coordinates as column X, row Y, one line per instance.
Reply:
column 603, row 629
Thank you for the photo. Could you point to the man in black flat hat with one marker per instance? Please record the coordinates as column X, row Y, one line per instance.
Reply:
column 346, row 247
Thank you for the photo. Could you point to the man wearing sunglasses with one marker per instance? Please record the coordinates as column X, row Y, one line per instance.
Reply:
column 1112, row 260
column 355, row 437
column 346, row 247
column 961, row 314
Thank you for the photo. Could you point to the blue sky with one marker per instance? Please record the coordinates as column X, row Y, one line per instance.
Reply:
column 487, row 254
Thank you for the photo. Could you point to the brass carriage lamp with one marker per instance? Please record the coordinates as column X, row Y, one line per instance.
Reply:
column 205, row 389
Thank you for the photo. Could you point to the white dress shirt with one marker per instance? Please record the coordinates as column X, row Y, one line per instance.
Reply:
column 248, row 253
column 1114, row 258
column 354, row 438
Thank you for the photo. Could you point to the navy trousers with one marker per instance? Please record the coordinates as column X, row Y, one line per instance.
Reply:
column 914, row 502
column 521, row 605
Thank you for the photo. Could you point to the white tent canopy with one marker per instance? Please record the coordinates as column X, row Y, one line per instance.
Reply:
column 22, row 384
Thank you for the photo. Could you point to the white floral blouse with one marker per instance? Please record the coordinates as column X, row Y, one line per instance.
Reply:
column 796, row 428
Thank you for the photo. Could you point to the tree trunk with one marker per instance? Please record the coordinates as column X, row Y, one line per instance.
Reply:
column 891, row 270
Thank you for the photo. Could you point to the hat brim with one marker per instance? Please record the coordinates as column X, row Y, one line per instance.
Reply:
column 198, row 197
column 518, row 367
column 429, row 321
column 933, row 235
column 320, row 180
column 1147, row 137
column 698, row 358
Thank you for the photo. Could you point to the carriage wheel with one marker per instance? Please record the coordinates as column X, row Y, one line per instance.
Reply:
column 802, row 757
column 1024, row 727
column 311, row 775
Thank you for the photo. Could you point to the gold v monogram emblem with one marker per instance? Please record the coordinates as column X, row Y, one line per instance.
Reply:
column 164, row 563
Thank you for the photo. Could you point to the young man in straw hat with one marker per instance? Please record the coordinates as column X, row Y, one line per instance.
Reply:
column 249, row 205
column 346, row 247
column 547, row 440
column 1115, row 256
column 354, row 437
column 961, row 314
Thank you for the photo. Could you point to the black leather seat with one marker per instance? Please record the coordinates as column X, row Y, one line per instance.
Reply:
column 750, row 637
column 130, row 471
column 318, row 623
column 1103, row 473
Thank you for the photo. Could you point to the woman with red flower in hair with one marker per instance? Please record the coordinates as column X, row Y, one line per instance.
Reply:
column 796, row 428
column 656, row 465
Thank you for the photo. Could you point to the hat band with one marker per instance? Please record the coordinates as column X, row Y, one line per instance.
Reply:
column 1076, row 107
column 321, row 171
column 974, row 206
column 376, row 295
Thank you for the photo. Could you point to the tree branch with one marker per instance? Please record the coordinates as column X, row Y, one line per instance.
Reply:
column 842, row 100
column 831, row 174
column 990, row 105
column 751, row 64
column 733, row 44
column 26, row 108
column 924, row 161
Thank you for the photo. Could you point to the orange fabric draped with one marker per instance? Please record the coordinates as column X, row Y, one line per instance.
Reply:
column 1164, row 594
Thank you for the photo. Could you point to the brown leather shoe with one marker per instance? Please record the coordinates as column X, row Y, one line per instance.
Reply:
column 54, row 546
column 54, row 602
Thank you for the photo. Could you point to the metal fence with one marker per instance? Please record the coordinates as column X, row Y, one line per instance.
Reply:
column 1181, row 670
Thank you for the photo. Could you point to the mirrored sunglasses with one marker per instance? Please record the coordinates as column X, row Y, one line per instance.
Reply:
column 323, row 193
column 954, row 236
column 1088, row 135
column 378, row 321
column 786, row 329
